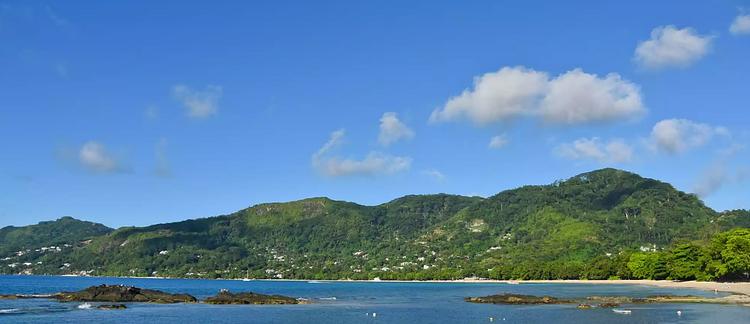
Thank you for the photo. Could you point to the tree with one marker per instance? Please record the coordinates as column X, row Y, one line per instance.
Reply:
column 648, row 265
column 730, row 252
column 684, row 262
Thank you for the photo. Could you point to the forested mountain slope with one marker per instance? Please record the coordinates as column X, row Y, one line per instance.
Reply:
column 587, row 226
column 65, row 230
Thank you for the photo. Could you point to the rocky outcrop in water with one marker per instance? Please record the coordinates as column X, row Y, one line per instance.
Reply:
column 614, row 300
column 609, row 305
column 606, row 301
column 515, row 299
column 250, row 298
column 112, row 307
column 118, row 293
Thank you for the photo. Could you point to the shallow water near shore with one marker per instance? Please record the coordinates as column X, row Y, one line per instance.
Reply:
column 355, row 302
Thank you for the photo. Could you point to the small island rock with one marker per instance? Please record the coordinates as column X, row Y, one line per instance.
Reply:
column 609, row 305
column 112, row 307
column 118, row 293
column 515, row 299
column 249, row 298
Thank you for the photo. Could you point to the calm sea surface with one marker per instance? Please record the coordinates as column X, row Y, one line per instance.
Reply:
column 353, row 302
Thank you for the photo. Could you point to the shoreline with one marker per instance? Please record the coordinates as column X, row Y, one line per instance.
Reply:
column 739, row 288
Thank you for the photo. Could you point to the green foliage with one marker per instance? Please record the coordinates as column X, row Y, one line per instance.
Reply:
column 51, row 233
column 728, row 255
column 648, row 265
column 589, row 226
column 684, row 262
column 733, row 219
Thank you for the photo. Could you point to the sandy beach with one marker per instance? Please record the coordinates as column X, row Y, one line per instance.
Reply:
column 742, row 288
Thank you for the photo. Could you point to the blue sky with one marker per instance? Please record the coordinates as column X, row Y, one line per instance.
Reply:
column 138, row 112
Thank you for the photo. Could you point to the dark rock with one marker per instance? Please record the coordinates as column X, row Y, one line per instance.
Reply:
column 609, row 305
column 675, row 299
column 604, row 301
column 248, row 298
column 613, row 299
column 515, row 299
column 112, row 307
column 117, row 293
column 647, row 300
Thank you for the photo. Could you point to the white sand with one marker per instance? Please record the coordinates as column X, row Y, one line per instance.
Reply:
column 732, row 287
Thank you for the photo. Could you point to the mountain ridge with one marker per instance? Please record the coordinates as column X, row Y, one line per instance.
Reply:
column 559, row 228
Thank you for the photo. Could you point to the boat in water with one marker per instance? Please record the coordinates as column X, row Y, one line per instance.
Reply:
column 622, row 311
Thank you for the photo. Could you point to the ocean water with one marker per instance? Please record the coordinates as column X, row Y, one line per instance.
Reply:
column 353, row 302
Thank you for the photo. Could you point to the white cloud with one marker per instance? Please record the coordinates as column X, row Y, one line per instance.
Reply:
column 740, row 25
column 672, row 47
column 711, row 180
column 614, row 151
column 577, row 97
column 94, row 156
column 619, row 151
column 499, row 141
column 435, row 174
column 497, row 96
column 163, row 167
column 337, row 137
column 574, row 97
column 392, row 129
column 720, row 173
column 199, row 104
column 375, row 163
column 679, row 135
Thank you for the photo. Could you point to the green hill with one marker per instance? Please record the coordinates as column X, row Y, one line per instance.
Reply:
column 65, row 230
column 588, row 226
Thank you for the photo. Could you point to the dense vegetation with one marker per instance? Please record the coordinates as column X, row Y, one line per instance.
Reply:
column 598, row 225
column 725, row 257
column 48, row 234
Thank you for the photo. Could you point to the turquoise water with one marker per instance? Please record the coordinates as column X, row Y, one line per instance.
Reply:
column 353, row 302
